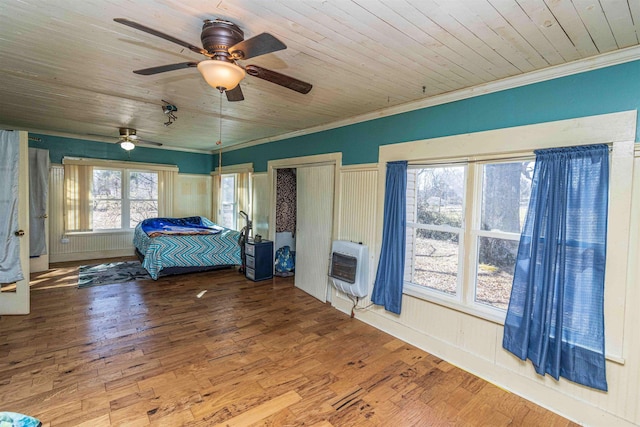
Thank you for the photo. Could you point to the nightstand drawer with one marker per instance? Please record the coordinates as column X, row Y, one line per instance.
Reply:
column 251, row 262
column 249, row 249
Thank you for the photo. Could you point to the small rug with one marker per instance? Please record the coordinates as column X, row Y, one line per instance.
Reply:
column 110, row 273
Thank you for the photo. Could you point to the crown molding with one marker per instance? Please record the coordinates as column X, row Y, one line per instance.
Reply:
column 109, row 140
column 604, row 60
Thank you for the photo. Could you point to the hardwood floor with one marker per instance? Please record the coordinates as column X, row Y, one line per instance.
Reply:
column 266, row 353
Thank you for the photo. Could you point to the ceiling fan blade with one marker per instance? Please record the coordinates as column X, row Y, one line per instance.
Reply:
column 256, row 46
column 142, row 141
column 165, row 68
column 279, row 79
column 156, row 33
column 234, row 94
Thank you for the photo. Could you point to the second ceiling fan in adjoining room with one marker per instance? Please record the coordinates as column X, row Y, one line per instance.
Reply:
column 129, row 139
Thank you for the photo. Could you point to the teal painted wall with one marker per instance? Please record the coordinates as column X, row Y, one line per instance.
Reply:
column 606, row 90
column 187, row 162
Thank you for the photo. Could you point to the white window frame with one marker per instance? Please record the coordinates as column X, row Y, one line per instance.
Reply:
column 434, row 293
column 126, row 187
column 233, row 204
column 465, row 298
column 125, row 200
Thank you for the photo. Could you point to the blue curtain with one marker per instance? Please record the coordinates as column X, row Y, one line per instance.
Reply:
column 387, row 288
column 556, row 312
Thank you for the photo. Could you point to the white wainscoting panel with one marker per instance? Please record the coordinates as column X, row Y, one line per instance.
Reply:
column 357, row 198
column 260, row 204
column 192, row 196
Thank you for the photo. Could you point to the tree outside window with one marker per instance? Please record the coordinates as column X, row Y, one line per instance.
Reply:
column 437, row 259
column 228, row 201
column 112, row 210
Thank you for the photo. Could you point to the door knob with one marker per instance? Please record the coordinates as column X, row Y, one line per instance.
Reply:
column 19, row 233
column 45, row 216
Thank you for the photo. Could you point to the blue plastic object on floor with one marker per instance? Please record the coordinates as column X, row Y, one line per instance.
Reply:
column 285, row 260
column 13, row 419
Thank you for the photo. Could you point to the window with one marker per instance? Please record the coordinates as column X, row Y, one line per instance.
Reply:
column 122, row 203
column 228, row 201
column 506, row 188
column 463, row 229
column 143, row 196
column 107, row 195
column 106, row 190
column 435, row 221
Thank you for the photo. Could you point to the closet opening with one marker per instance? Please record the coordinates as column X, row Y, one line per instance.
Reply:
column 286, row 217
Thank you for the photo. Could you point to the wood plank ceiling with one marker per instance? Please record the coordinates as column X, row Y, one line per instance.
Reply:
column 66, row 66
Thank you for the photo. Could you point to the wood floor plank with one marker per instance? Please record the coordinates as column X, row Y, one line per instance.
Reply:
column 263, row 410
column 152, row 353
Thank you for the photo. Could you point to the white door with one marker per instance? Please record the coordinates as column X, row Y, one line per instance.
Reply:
column 15, row 299
column 314, row 224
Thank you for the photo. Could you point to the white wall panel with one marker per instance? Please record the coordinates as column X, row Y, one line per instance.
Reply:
column 356, row 216
column 260, row 204
column 192, row 196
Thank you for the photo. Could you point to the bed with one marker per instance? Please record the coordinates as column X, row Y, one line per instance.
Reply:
column 181, row 245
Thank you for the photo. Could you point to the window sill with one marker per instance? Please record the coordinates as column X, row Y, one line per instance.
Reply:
column 99, row 232
column 439, row 298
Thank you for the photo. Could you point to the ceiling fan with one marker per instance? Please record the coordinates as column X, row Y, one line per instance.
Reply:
column 129, row 139
column 223, row 43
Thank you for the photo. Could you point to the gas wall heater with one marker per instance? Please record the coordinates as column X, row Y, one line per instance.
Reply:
column 349, row 267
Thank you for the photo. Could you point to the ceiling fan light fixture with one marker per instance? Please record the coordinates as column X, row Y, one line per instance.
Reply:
column 127, row 145
column 222, row 75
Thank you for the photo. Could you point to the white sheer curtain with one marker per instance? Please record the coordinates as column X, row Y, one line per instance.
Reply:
column 38, row 195
column 166, row 189
column 243, row 195
column 215, row 198
column 10, row 268
column 77, row 197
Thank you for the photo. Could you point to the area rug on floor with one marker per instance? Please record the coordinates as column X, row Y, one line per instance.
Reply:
column 113, row 272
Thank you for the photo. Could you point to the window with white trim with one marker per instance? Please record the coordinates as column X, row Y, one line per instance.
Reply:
column 463, row 229
column 228, row 201
column 122, row 203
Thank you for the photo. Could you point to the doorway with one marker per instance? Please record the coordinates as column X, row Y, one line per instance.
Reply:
column 286, row 216
column 315, row 180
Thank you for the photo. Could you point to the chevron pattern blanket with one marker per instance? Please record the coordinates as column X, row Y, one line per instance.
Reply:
column 187, row 250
